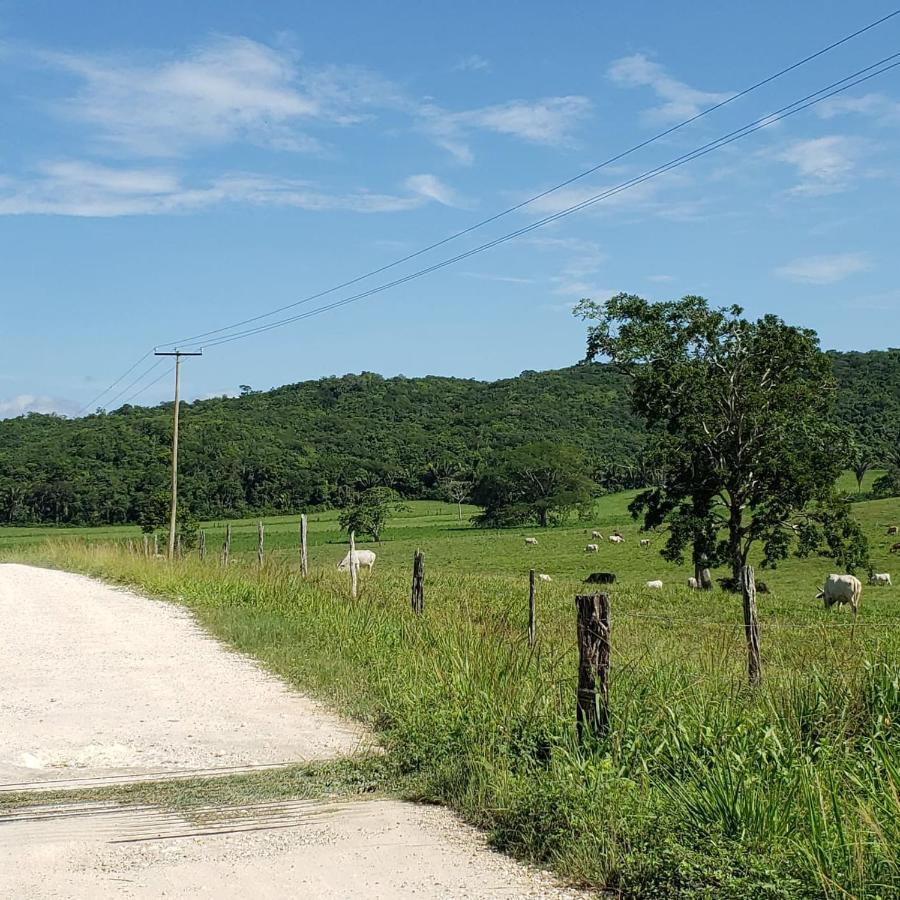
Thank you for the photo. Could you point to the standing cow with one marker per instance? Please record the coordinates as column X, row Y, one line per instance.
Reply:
column 841, row 589
column 361, row 558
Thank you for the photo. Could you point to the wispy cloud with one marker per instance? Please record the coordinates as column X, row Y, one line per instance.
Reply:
column 550, row 121
column 876, row 106
column 75, row 188
column 824, row 165
column 679, row 100
column 824, row 269
column 472, row 63
column 21, row 404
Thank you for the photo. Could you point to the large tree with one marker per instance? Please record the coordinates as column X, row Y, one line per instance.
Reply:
column 539, row 482
column 740, row 415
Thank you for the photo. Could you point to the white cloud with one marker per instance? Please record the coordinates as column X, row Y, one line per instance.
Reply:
column 73, row 188
column 679, row 100
column 550, row 121
column 824, row 165
column 824, row 269
column 877, row 106
column 231, row 88
column 27, row 403
column 472, row 63
column 638, row 194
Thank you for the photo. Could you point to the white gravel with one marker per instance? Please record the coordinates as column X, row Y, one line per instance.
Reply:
column 379, row 849
column 102, row 682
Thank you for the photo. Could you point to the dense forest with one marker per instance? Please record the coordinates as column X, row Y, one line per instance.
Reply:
column 306, row 445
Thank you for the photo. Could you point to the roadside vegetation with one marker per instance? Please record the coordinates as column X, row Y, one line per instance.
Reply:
column 705, row 788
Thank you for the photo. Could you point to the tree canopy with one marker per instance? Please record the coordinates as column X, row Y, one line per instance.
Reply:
column 742, row 426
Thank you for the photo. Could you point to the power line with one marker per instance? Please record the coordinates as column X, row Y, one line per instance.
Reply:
column 103, row 393
column 137, row 380
column 196, row 337
column 147, row 387
column 797, row 106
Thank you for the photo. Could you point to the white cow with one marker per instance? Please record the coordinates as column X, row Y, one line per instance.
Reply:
column 645, row 542
column 543, row 577
column 530, row 542
column 693, row 584
column 596, row 534
column 881, row 579
column 360, row 558
column 841, row 589
column 654, row 585
column 616, row 539
column 592, row 548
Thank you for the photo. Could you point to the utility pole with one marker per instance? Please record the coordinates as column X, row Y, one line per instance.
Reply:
column 174, row 509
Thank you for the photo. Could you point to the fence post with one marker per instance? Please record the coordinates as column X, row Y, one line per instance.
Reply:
column 260, row 543
column 155, row 545
column 201, row 545
column 353, row 572
column 226, row 544
column 417, row 598
column 592, row 708
column 532, row 624
column 304, row 562
column 751, row 625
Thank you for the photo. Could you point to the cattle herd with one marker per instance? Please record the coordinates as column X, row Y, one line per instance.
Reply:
column 838, row 589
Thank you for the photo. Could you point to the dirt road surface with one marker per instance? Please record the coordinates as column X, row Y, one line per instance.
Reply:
column 100, row 683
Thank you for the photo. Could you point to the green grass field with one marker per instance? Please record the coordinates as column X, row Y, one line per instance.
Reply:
column 705, row 787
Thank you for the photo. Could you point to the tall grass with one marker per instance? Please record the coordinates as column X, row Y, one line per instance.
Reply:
column 705, row 788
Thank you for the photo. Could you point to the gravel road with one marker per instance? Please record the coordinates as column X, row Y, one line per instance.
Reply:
column 100, row 683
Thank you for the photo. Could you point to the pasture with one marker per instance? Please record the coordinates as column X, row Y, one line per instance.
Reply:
column 705, row 787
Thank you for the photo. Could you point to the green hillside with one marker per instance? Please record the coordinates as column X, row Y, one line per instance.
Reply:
column 302, row 445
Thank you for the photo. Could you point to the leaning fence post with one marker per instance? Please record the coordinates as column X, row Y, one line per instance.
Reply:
column 353, row 571
column 532, row 624
column 304, row 562
column 260, row 543
column 417, row 597
column 751, row 625
column 201, row 545
column 226, row 544
column 592, row 708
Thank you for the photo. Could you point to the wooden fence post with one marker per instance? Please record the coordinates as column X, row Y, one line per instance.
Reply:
column 146, row 546
column 592, row 708
column 751, row 625
column 226, row 544
column 201, row 545
column 532, row 623
column 260, row 543
column 417, row 598
column 304, row 562
column 353, row 571
column 155, row 545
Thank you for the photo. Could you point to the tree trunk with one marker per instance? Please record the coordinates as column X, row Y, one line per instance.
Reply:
column 735, row 553
column 542, row 518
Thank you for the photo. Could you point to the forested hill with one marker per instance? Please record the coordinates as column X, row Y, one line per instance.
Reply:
column 304, row 444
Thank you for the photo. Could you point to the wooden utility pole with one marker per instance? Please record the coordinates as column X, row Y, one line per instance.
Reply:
column 174, row 508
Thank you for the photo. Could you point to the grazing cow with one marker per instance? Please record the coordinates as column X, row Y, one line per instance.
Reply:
column 654, row 585
column 360, row 558
column 892, row 529
column 600, row 578
column 592, row 548
column 645, row 542
column 841, row 589
column 543, row 577
column 881, row 579
column 616, row 539
column 693, row 583
column 762, row 587
column 596, row 534
column 530, row 542
column 895, row 548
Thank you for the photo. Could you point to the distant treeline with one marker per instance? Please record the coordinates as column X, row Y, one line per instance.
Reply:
column 310, row 444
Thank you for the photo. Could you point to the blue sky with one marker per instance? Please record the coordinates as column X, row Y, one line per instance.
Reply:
column 169, row 168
